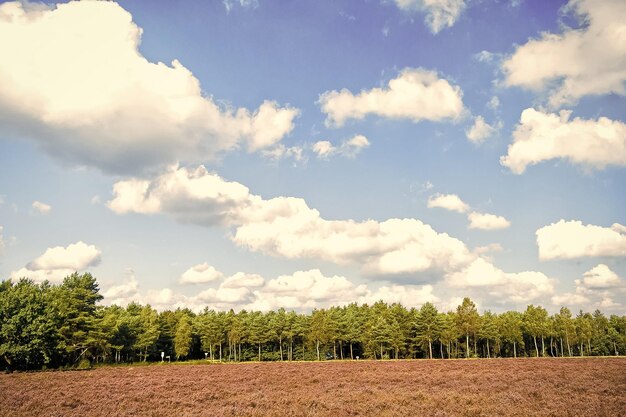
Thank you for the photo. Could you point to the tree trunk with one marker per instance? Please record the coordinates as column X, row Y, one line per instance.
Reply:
column 220, row 351
column 615, row 349
column 475, row 349
column 543, row 347
column 280, row 341
column 514, row 350
column 488, row 355
column 441, row 349
column 582, row 351
column 589, row 346
column 430, row 349
column 562, row 353
column 259, row 351
column 334, row 349
column 467, row 345
column 536, row 348
column 211, row 352
column 351, row 353
column 317, row 346
column 569, row 349
column 381, row 351
column 341, row 349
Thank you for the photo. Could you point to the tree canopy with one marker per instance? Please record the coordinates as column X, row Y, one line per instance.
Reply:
column 44, row 325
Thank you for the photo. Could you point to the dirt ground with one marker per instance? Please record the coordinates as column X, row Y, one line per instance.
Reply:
column 506, row 387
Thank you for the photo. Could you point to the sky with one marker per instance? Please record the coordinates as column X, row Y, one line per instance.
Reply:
column 261, row 154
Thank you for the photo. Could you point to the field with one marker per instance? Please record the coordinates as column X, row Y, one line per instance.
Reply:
column 511, row 387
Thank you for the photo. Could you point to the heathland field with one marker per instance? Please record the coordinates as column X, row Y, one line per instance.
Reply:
column 484, row 387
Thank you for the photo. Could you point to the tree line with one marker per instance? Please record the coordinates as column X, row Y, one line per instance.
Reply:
column 52, row 326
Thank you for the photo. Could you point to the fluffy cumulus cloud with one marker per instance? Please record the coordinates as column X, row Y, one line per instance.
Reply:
column 349, row 148
column 200, row 274
column 486, row 221
column 190, row 195
column 416, row 94
column 596, row 289
column 590, row 60
column 73, row 80
column 407, row 295
column 515, row 288
column 483, row 221
column 573, row 239
column 41, row 208
column 302, row 290
column 543, row 136
column 450, row 202
column 307, row 290
column 287, row 227
column 600, row 277
column 481, row 130
column 59, row 262
column 440, row 14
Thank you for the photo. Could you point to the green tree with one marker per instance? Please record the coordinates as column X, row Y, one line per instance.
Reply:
column 75, row 302
column 428, row 326
column 183, row 337
column 28, row 335
column 318, row 330
column 467, row 321
column 534, row 322
column 510, row 329
column 489, row 330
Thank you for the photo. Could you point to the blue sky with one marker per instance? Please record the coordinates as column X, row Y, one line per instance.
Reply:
column 302, row 154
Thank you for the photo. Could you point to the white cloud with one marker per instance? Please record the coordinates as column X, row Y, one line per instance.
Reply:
column 73, row 80
column 407, row 295
column 481, row 130
column 440, row 14
column 484, row 56
column 246, row 4
column 122, row 291
column 600, row 277
column 477, row 220
column 572, row 239
column 492, row 247
column 494, row 103
column 281, row 151
column 349, row 148
column 594, row 290
column 191, row 196
column 40, row 275
column 76, row 256
column 200, row 274
column 307, row 290
column 590, row 60
column 543, row 136
column 570, row 299
column 287, row 227
column 243, row 280
column 486, row 221
column 517, row 288
column 416, row 94
column 41, row 208
column 302, row 290
column 450, row 202
column 59, row 262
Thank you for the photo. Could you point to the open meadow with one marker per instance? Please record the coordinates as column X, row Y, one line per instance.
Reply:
column 512, row 387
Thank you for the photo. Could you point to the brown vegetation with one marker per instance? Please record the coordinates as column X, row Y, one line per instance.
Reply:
column 511, row 387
